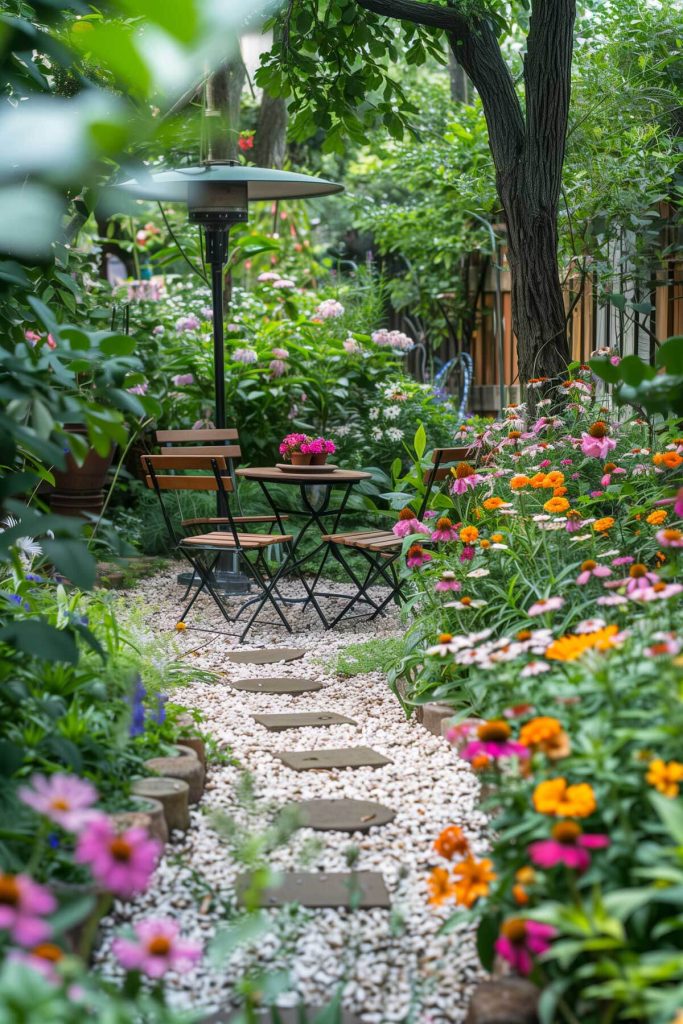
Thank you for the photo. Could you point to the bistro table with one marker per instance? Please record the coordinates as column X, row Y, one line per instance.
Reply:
column 315, row 488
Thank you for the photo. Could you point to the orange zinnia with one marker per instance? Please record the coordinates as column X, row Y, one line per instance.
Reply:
column 572, row 646
column 669, row 459
column 665, row 777
column 547, row 735
column 475, row 877
column 493, row 503
column 537, row 480
column 559, row 492
column 441, row 886
column 555, row 797
column 657, row 518
column 554, row 478
column 519, row 481
column 497, row 538
column 451, row 841
column 601, row 525
column 556, row 505
column 469, row 534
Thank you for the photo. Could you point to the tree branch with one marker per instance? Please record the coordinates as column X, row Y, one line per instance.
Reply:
column 447, row 18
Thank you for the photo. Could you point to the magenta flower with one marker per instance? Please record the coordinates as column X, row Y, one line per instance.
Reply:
column 183, row 378
column 568, row 845
column 678, row 504
column 417, row 556
column 23, row 904
column 591, row 568
column 64, row 799
column 404, row 527
column 123, row 862
column 520, row 940
column 464, row 483
column 467, row 554
column 670, row 538
column 494, row 749
column 158, row 949
column 447, row 582
column 445, row 530
column 546, row 604
column 597, row 447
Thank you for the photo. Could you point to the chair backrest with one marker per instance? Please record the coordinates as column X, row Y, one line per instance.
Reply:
column 167, row 472
column 444, row 460
column 207, row 441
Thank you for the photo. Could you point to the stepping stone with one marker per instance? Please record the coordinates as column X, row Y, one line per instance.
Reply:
column 346, row 757
column 284, row 684
column 320, row 889
column 276, row 723
column 286, row 1015
column 342, row 815
column 266, row 655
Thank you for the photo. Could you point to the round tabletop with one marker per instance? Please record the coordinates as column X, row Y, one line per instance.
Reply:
column 272, row 475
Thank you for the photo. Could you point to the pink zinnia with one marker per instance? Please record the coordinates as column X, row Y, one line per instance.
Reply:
column 23, row 904
column 467, row 554
column 122, row 863
column 520, row 940
column 546, row 604
column 64, row 799
column 591, row 568
column 597, row 447
column 568, row 846
column 158, row 949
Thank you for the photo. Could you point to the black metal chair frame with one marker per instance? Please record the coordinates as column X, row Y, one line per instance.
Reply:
column 267, row 583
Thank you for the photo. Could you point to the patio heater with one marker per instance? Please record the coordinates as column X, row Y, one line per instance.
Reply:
column 217, row 195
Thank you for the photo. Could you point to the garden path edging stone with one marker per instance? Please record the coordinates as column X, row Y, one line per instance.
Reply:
column 172, row 794
column 187, row 769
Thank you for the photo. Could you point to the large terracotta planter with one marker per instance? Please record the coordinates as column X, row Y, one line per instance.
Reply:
column 78, row 489
column 319, row 459
column 301, row 459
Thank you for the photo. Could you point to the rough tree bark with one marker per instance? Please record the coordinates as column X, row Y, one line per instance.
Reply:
column 222, row 109
column 528, row 153
column 270, row 141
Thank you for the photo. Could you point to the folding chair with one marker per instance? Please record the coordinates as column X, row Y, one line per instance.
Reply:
column 382, row 548
column 202, row 550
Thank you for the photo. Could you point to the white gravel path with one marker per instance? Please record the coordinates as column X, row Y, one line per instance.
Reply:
column 393, row 964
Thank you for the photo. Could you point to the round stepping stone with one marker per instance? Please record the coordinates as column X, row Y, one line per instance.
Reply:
column 342, row 815
column 277, row 685
column 266, row 655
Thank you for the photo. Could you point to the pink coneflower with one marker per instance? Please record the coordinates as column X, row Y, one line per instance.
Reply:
column 534, row 668
column 610, row 471
column 589, row 569
column 546, row 604
column 447, row 644
column 666, row 645
column 183, row 378
column 23, row 904
column 678, row 504
column 670, row 538
column 659, row 592
column 465, row 478
column 520, row 940
column 569, row 845
column 122, row 863
column 493, row 740
column 639, row 578
column 64, row 799
column 408, row 523
column 158, row 949
column 589, row 626
column 597, row 443
column 447, row 582
column 445, row 530
column 611, row 600
column 623, row 560
column 417, row 556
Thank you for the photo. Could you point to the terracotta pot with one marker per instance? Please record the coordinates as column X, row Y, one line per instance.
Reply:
column 300, row 459
column 80, row 489
column 319, row 459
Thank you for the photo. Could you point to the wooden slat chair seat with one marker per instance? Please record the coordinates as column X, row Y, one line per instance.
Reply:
column 180, row 471
column 370, row 540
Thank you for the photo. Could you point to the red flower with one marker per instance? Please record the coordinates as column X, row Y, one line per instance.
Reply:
column 245, row 142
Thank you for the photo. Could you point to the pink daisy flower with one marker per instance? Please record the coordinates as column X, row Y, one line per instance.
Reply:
column 157, row 949
column 493, row 740
column 569, row 845
column 589, row 569
column 23, row 904
column 123, row 862
column 417, row 556
column 447, row 582
column 670, row 538
column 597, row 447
column 64, row 799
column 445, row 530
column 463, row 484
column 404, row 527
column 546, row 604
column 611, row 600
column 659, row 592
column 520, row 940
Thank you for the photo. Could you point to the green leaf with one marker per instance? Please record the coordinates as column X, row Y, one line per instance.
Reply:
column 670, row 355
column 487, row 933
column 634, row 371
column 117, row 345
column 671, row 813
column 11, row 757
column 420, row 441
column 603, row 369
column 38, row 638
column 617, row 299
column 73, row 560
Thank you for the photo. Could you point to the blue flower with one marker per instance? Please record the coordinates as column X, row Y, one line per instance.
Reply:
column 33, row 577
column 137, row 719
column 53, row 840
column 159, row 716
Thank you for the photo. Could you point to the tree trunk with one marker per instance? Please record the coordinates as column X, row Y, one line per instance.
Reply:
column 270, row 141
column 460, row 83
column 222, row 109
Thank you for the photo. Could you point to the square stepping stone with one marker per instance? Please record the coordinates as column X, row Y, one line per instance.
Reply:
column 362, row 889
column 342, row 815
column 281, row 684
column 345, row 757
column 276, row 723
column 266, row 655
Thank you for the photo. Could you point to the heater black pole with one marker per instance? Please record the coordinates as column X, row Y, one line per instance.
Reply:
column 218, row 343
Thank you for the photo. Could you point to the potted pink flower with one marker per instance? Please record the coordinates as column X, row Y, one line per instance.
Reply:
column 294, row 447
column 319, row 448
